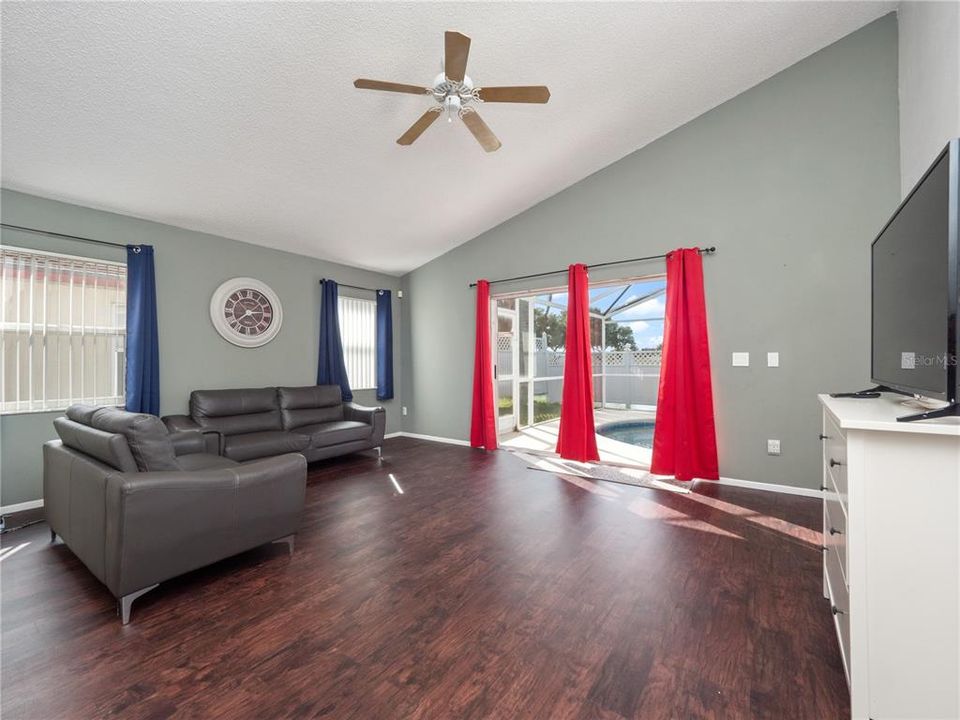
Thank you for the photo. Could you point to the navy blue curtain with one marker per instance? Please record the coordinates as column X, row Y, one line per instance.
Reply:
column 330, row 367
column 143, row 345
column 384, row 346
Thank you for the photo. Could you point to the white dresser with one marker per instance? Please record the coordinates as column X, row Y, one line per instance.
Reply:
column 891, row 516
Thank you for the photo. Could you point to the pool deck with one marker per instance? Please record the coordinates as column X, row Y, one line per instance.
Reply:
column 541, row 439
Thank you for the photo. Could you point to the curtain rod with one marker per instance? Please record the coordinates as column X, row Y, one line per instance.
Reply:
column 355, row 287
column 62, row 235
column 704, row 251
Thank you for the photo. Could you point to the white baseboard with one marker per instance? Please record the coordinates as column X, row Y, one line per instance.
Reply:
column 431, row 438
column 392, row 435
column 18, row 507
column 766, row 487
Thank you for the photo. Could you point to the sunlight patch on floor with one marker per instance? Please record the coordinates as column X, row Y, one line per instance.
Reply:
column 6, row 552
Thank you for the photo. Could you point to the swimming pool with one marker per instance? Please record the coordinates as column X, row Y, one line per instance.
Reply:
column 632, row 432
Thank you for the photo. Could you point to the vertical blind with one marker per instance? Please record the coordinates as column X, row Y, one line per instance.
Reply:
column 358, row 333
column 63, row 330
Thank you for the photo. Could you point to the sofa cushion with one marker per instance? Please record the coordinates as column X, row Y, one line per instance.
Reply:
column 249, row 446
column 335, row 433
column 235, row 412
column 309, row 405
column 109, row 448
column 147, row 437
column 204, row 461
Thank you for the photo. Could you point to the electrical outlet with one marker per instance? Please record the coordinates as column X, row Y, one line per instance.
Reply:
column 773, row 359
column 773, row 447
column 741, row 359
column 404, row 409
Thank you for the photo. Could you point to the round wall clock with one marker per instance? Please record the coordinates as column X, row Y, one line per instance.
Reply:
column 246, row 312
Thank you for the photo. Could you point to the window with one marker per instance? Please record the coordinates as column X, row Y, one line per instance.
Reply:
column 63, row 330
column 358, row 332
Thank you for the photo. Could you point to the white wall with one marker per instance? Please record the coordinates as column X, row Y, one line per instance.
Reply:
column 929, row 84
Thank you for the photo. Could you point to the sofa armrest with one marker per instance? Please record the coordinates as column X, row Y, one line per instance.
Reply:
column 188, row 442
column 213, row 439
column 375, row 416
column 361, row 413
column 176, row 423
column 163, row 524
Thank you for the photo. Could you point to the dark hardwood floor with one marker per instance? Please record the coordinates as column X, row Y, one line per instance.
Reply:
column 484, row 590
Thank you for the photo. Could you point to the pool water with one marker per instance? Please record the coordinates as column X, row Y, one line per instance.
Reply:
column 632, row 432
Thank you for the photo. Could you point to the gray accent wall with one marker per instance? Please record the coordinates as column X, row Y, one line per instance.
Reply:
column 790, row 180
column 189, row 266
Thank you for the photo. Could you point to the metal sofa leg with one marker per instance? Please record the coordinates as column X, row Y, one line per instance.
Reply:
column 288, row 540
column 124, row 603
column 379, row 450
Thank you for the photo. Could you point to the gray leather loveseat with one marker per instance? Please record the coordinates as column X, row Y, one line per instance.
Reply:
column 261, row 422
column 139, row 504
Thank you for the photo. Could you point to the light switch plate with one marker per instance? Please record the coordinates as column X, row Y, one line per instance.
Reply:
column 404, row 409
column 773, row 359
column 773, row 447
column 741, row 359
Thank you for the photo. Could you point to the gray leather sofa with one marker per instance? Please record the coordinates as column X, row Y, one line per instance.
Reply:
column 262, row 422
column 140, row 505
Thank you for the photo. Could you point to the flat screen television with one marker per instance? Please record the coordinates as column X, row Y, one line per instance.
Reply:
column 915, row 263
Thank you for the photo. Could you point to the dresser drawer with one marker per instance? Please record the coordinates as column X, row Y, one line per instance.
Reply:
column 839, row 605
column 835, row 529
column 835, row 457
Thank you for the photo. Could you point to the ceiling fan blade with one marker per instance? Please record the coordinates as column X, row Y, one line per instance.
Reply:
column 456, row 49
column 517, row 94
column 484, row 135
column 416, row 130
column 365, row 84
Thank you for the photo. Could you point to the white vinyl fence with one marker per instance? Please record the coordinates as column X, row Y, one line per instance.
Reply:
column 623, row 379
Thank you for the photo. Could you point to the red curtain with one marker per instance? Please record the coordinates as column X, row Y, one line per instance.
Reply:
column 578, row 440
column 483, row 423
column 685, row 436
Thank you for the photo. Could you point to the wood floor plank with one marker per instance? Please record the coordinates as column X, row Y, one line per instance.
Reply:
column 484, row 590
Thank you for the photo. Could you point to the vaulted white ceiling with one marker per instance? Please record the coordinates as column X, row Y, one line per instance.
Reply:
column 240, row 119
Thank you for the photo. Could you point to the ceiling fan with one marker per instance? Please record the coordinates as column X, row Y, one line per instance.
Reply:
column 455, row 94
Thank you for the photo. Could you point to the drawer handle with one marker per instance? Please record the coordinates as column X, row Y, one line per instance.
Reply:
column 836, row 611
column 824, row 437
column 834, row 531
column 835, row 463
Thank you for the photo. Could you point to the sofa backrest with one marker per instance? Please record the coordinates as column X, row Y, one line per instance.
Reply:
column 309, row 405
column 235, row 412
column 126, row 441
column 109, row 448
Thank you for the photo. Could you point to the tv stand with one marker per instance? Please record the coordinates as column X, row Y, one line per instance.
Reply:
column 873, row 392
column 891, row 509
column 951, row 410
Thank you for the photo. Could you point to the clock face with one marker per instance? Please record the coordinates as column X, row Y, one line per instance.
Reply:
column 246, row 312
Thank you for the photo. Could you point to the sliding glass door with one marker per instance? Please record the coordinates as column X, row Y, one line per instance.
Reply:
column 530, row 336
column 506, row 359
column 626, row 328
